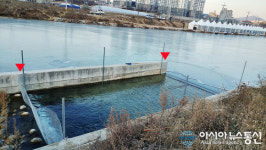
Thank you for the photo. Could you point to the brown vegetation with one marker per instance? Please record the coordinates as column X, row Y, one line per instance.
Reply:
column 244, row 110
column 28, row 10
column 13, row 141
column 262, row 24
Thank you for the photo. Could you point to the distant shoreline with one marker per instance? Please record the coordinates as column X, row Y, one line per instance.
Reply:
column 7, row 17
column 140, row 26
column 35, row 11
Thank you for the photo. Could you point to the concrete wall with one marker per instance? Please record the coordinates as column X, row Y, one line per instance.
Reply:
column 45, row 79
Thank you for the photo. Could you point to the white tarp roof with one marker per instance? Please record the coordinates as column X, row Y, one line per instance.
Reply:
column 191, row 24
column 224, row 25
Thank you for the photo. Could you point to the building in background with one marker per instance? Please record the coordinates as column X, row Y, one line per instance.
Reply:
column 213, row 14
column 196, row 8
column 226, row 15
column 186, row 8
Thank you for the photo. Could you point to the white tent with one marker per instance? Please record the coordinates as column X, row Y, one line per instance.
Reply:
column 246, row 28
column 251, row 30
column 200, row 24
column 257, row 30
column 226, row 28
column 213, row 25
column 240, row 29
column 219, row 26
column 263, row 31
column 208, row 25
column 234, row 28
column 191, row 25
column 230, row 27
column 260, row 31
column 204, row 26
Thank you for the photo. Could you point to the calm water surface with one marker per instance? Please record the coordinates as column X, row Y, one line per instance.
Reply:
column 212, row 59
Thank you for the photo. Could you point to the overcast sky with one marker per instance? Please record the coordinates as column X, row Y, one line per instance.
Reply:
column 239, row 7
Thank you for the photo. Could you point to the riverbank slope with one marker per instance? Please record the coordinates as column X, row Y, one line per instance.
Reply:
column 27, row 10
column 236, row 112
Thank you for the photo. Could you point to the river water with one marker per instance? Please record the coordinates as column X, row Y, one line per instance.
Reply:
column 209, row 59
column 212, row 59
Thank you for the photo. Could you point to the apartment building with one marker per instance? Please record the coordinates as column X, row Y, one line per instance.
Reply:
column 188, row 8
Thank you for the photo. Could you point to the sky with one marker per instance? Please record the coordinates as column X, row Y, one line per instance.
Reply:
column 240, row 7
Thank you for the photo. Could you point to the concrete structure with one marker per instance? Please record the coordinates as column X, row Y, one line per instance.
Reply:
column 77, row 142
column 45, row 79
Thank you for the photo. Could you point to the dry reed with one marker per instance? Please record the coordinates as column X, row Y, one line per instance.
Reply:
column 242, row 111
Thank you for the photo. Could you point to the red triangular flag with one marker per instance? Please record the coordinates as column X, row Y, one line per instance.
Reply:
column 20, row 66
column 165, row 55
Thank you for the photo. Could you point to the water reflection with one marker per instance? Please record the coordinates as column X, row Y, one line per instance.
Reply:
column 88, row 106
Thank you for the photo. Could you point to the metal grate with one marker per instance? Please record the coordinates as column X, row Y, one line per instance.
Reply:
column 187, row 81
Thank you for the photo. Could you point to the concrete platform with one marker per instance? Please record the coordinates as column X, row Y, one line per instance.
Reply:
column 55, row 78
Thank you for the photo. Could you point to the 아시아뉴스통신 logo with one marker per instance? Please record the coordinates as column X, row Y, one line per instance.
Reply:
column 187, row 138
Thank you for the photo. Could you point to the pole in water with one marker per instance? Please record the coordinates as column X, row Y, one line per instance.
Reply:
column 162, row 60
column 103, row 63
column 23, row 73
column 186, row 87
column 242, row 73
column 63, row 118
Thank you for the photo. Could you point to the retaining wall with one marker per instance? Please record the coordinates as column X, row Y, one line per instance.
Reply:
column 45, row 79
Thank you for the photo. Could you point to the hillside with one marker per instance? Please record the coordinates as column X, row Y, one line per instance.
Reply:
column 250, row 18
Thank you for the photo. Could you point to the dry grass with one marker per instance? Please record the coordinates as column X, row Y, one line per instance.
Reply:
column 27, row 10
column 4, row 100
column 163, row 98
column 4, row 103
column 121, row 131
column 18, row 138
column 242, row 111
column 39, row 11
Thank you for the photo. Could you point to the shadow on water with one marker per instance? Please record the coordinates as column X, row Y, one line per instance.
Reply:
column 88, row 106
column 78, row 93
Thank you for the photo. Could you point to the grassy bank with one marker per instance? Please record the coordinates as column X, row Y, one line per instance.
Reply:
column 27, row 10
column 243, row 110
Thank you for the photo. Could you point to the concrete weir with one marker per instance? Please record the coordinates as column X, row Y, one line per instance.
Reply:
column 55, row 78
